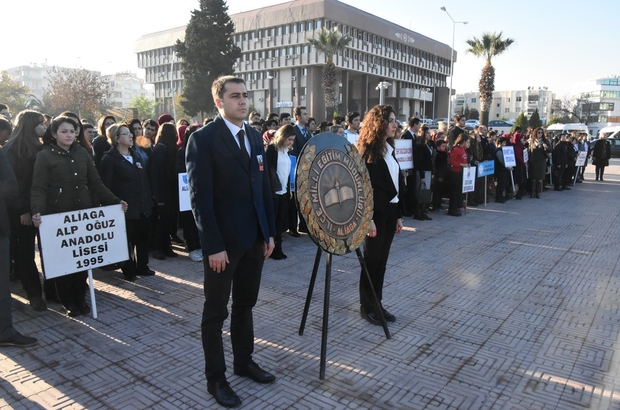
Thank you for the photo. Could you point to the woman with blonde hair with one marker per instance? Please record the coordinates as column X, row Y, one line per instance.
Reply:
column 375, row 146
column 279, row 164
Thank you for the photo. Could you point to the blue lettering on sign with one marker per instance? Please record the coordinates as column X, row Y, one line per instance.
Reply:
column 486, row 168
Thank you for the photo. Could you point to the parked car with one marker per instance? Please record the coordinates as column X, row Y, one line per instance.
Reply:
column 471, row 124
column 613, row 142
column 500, row 125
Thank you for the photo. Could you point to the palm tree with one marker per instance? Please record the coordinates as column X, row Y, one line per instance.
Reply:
column 330, row 42
column 488, row 46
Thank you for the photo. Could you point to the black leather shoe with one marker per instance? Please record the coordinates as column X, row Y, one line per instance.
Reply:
column 454, row 213
column 223, row 394
column 71, row 310
column 159, row 255
column 294, row 234
column 83, row 308
column 426, row 217
column 18, row 340
column 254, row 372
column 38, row 304
column 147, row 272
column 388, row 316
column 370, row 317
column 170, row 253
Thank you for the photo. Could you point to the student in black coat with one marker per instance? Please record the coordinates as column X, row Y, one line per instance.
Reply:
column 164, row 186
column 101, row 145
column 124, row 173
column 423, row 157
column 440, row 180
column 600, row 156
column 560, row 163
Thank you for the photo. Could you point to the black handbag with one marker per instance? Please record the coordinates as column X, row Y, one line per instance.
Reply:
column 422, row 194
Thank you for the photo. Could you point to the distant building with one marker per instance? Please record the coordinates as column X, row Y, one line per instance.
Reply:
column 282, row 71
column 35, row 77
column 510, row 104
column 123, row 88
column 599, row 102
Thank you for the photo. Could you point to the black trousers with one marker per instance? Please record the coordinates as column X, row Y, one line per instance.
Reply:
column 22, row 251
column 71, row 289
column 138, row 235
column 456, row 191
column 166, row 220
column 600, row 170
column 6, row 319
column 280, row 204
column 243, row 275
column 376, row 253
column 190, row 231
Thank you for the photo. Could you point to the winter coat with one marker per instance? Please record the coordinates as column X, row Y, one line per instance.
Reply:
column 163, row 176
column 537, row 164
column 560, row 155
column 66, row 181
column 23, row 169
column 128, row 181
column 601, row 153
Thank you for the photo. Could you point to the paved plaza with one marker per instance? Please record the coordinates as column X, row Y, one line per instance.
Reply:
column 512, row 306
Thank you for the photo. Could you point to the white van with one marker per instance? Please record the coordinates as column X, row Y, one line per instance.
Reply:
column 610, row 132
column 558, row 128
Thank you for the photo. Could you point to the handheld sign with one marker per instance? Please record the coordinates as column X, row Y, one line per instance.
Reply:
column 581, row 158
column 486, row 168
column 83, row 240
column 292, row 177
column 509, row 157
column 184, row 203
column 526, row 156
column 404, row 153
column 469, row 179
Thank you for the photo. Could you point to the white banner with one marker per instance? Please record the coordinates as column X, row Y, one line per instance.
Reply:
column 469, row 179
column 184, row 204
column 526, row 156
column 509, row 157
column 82, row 240
column 404, row 153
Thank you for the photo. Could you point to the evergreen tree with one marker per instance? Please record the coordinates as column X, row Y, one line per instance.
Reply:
column 473, row 114
column 535, row 121
column 208, row 52
column 521, row 122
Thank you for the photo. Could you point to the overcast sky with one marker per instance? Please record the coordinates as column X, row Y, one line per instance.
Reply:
column 557, row 42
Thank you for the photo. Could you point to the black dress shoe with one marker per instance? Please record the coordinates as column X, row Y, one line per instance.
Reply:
column 18, row 340
column 223, row 394
column 83, row 308
column 170, row 253
column 159, row 255
column 426, row 217
column 454, row 213
column 566, row 188
column 370, row 316
column 176, row 240
column 71, row 310
column 388, row 316
column 294, row 234
column 38, row 304
column 254, row 372
column 147, row 272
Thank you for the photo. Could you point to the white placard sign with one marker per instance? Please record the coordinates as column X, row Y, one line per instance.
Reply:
column 526, row 156
column 404, row 153
column 184, row 204
column 469, row 179
column 82, row 240
column 581, row 158
column 509, row 157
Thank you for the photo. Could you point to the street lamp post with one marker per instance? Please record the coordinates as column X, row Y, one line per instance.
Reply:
column 454, row 23
column 383, row 85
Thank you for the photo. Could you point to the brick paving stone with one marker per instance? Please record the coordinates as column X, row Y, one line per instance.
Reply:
column 512, row 306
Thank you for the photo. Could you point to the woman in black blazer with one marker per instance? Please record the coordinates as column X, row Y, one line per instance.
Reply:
column 124, row 173
column 375, row 146
column 279, row 165
column 423, row 156
column 600, row 156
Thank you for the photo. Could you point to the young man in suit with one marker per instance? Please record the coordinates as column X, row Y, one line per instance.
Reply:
column 302, row 135
column 231, row 200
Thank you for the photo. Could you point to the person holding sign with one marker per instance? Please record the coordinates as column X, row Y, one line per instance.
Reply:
column 65, row 179
column 502, row 174
column 458, row 160
column 388, row 186
column 230, row 195
column 124, row 173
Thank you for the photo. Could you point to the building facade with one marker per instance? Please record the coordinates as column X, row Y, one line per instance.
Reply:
column 123, row 88
column 282, row 71
column 599, row 102
column 510, row 104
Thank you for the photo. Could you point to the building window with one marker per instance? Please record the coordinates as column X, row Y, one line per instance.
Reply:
column 518, row 99
column 275, row 93
column 294, row 27
column 498, row 104
column 279, row 31
column 304, row 71
column 318, row 24
column 309, row 26
column 507, row 99
column 287, row 29
column 473, row 100
column 506, row 110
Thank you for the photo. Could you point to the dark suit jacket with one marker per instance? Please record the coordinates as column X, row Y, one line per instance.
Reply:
column 231, row 202
column 8, row 190
column 300, row 141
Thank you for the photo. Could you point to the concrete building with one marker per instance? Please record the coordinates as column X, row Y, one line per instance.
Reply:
column 35, row 77
column 510, row 104
column 282, row 70
column 599, row 101
column 123, row 88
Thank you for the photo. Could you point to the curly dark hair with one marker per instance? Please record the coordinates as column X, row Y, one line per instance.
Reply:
column 371, row 142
